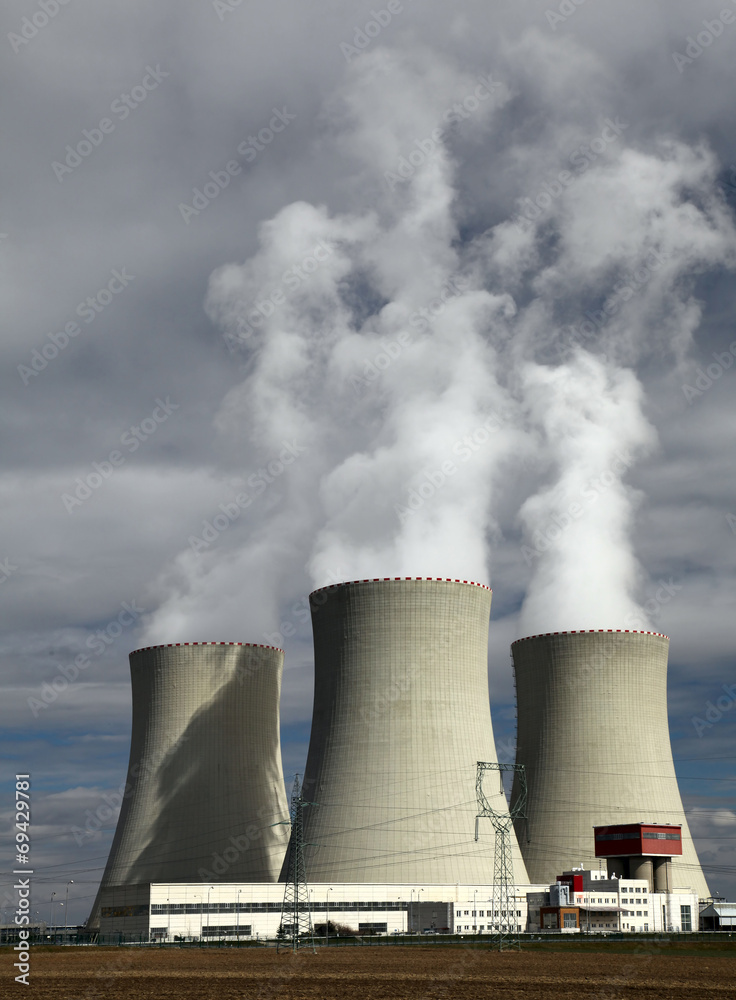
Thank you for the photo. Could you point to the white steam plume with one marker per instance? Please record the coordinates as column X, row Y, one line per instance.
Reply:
column 579, row 527
column 385, row 395
column 432, row 377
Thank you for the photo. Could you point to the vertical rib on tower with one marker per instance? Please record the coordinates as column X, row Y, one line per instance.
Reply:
column 593, row 735
column 401, row 718
column 204, row 780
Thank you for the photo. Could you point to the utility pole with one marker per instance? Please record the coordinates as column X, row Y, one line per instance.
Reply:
column 295, row 910
column 504, row 902
column 66, row 905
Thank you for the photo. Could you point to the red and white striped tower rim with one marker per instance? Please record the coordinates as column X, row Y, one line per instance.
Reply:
column 176, row 645
column 591, row 631
column 397, row 579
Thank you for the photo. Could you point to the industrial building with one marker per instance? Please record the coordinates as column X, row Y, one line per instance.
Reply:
column 640, row 850
column 587, row 901
column 718, row 916
column 401, row 717
column 205, row 785
column 219, row 911
column 593, row 736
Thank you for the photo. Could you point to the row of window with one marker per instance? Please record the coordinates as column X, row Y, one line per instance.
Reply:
column 482, row 913
column 613, row 900
column 215, row 931
column 244, row 930
column 139, row 910
column 159, row 909
column 481, row 928
column 608, row 899
column 647, row 835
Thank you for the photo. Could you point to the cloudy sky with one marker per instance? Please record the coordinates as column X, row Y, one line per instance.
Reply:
column 293, row 295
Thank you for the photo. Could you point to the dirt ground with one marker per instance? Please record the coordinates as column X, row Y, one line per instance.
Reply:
column 368, row 974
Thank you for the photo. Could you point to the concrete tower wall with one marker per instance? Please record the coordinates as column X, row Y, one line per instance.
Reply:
column 593, row 735
column 401, row 717
column 204, row 781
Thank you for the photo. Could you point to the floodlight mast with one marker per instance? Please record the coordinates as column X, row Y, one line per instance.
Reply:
column 506, row 932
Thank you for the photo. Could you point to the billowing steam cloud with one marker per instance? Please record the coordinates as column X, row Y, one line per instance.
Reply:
column 428, row 370
column 578, row 528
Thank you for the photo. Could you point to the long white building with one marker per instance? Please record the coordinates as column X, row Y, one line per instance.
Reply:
column 247, row 911
column 220, row 911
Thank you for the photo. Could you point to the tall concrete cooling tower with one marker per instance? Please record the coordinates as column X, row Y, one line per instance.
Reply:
column 593, row 735
column 204, row 782
column 401, row 717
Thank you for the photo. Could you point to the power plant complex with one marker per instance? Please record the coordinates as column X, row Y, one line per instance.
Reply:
column 388, row 840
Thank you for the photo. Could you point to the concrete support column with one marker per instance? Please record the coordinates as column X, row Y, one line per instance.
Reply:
column 618, row 866
column 662, row 875
column 642, row 868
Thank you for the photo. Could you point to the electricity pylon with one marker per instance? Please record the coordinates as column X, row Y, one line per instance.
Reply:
column 296, row 916
column 507, row 935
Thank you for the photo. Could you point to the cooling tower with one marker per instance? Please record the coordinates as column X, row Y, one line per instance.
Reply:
column 593, row 735
column 401, row 717
column 204, row 782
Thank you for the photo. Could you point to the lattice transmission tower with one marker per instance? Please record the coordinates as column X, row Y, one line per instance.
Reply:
column 507, row 934
column 296, row 915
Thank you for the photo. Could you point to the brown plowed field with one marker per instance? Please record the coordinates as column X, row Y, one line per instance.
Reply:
column 369, row 974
